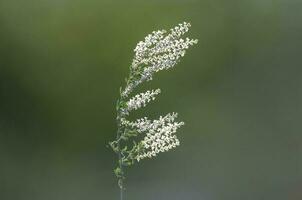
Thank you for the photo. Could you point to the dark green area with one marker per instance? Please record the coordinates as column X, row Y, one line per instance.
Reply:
column 239, row 91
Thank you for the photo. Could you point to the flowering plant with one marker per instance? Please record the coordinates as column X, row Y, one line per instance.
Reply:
column 159, row 51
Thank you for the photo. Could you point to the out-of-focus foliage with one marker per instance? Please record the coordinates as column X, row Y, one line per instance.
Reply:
column 239, row 91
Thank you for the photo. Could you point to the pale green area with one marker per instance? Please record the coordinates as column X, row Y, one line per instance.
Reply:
column 239, row 92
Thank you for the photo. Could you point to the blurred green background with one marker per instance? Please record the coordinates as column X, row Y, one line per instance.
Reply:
column 239, row 92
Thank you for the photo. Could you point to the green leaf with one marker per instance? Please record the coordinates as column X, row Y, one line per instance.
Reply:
column 125, row 148
column 123, row 137
column 131, row 133
column 117, row 104
column 127, row 163
column 118, row 172
column 113, row 146
column 122, row 104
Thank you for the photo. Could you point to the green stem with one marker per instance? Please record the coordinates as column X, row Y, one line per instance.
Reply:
column 120, row 130
column 121, row 182
column 119, row 133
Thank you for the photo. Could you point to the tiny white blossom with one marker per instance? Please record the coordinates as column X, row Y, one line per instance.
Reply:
column 140, row 100
column 160, row 50
column 160, row 134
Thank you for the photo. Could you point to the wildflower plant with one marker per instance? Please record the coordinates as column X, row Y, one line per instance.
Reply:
column 160, row 50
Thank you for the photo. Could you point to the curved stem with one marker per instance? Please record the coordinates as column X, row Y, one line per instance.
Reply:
column 118, row 136
column 121, row 193
column 121, row 181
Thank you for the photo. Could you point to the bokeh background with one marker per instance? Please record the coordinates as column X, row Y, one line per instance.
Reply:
column 239, row 92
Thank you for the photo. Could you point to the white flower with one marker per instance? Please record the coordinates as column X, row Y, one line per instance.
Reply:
column 140, row 100
column 160, row 50
column 160, row 134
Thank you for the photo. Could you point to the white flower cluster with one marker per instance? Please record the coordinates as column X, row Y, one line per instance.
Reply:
column 160, row 134
column 140, row 100
column 159, row 51
column 142, row 47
